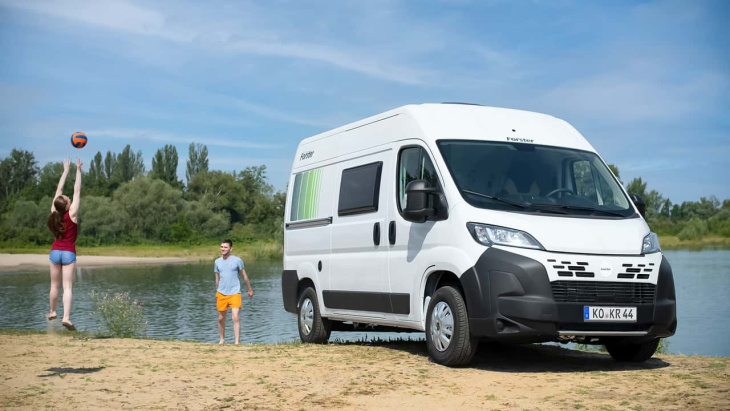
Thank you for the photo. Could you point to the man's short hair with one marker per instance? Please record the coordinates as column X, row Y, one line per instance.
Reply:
column 227, row 240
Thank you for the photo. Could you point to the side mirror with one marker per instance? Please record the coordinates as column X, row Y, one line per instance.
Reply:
column 418, row 209
column 639, row 203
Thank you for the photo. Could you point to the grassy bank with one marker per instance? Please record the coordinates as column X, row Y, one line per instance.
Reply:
column 705, row 243
column 270, row 250
column 252, row 251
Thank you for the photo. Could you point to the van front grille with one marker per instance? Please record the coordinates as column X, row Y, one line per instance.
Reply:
column 603, row 292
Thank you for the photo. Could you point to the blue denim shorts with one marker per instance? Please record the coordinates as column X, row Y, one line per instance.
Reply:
column 59, row 257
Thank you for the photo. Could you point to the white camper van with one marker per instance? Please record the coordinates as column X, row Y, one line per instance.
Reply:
column 468, row 223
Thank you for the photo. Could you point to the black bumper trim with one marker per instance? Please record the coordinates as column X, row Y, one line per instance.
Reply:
column 509, row 297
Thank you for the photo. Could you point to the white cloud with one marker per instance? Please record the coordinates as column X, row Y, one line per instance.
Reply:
column 629, row 96
column 154, row 135
column 127, row 17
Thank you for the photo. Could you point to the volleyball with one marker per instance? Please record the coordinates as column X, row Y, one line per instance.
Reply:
column 78, row 139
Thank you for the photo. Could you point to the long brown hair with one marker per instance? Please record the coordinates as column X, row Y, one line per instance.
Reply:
column 55, row 220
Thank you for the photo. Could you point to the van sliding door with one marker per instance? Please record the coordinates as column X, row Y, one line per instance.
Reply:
column 359, row 243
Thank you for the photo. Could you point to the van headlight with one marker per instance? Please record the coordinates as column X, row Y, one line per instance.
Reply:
column 651, row 244
column 493, row 235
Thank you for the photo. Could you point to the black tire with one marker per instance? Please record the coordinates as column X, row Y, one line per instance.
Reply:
column 318, row 332
column 638, row 352
column 461, row 347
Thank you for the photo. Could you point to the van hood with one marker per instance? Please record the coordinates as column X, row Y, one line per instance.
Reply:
column 570, row 234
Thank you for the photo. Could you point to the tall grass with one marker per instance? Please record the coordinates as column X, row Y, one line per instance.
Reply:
column 264, row 250
column 122, row 316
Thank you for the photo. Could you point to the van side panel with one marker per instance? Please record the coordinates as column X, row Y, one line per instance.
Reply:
column 307, row 223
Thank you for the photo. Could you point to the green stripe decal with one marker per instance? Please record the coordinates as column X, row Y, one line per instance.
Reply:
column 305, row 196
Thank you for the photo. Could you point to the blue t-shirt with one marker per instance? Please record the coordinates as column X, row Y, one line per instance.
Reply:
column 228, row 270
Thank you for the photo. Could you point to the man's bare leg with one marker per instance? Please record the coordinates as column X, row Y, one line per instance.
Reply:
column 222, row 326
column 55, row 285
column 236, row 325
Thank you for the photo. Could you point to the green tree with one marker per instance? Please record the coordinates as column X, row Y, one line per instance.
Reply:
column 703, row 209
column 200, row 217
column 110, row 164
column 221, row 190
column 128, row 165
column 666, row 209
column 48, row 181
column 95, row 179
column 695, row 229
column 654, row 201
column 164, row 166
column 256, row 191
column 152, row 207
column 197, row 161
column 26, row 223
column 104, row 221
column 18, row 171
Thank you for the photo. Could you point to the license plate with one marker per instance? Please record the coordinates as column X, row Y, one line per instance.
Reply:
column 610, row 314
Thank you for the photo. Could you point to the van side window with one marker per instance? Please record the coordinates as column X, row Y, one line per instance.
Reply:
column 305, row 197
column 360, row 189
column 414, row 164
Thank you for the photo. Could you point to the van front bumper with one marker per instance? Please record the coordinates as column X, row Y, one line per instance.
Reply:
column 510, row 298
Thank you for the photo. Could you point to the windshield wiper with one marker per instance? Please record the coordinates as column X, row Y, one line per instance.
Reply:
column 569, row 207
column 499, row 199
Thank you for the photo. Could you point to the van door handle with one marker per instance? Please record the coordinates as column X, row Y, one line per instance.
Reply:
column 391, row 233
column 376, row 234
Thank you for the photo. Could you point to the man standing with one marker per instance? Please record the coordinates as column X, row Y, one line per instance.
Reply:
column 228, row 288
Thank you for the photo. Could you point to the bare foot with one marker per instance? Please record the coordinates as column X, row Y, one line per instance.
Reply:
column 221, row 342
column 69, row 326
column 52, row 316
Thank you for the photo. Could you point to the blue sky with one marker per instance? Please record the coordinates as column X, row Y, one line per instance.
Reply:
column 648, row 83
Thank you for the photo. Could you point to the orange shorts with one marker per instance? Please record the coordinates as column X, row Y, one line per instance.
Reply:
column 225, row 301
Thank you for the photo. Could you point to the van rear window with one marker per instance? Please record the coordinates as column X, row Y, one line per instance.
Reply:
column 360, row 189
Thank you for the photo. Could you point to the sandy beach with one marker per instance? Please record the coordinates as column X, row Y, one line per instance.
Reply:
column 59, row 371
column 19, row 262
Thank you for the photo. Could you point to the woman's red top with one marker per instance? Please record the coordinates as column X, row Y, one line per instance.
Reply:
column 68, row 241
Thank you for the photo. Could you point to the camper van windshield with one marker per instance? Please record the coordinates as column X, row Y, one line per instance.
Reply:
column 533, row 178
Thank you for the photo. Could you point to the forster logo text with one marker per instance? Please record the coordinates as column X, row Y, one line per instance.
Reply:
column 520, row 140
column 306, row 155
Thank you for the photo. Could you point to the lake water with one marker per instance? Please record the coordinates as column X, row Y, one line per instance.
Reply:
column 179, row 302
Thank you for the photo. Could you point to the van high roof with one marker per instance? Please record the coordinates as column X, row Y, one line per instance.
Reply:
column 464, row 121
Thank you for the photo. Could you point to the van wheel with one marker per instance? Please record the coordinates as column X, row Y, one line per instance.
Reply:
column 312, row 327
column 633, row 352
column 447, row 328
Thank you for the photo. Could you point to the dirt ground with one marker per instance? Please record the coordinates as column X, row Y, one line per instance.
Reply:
column 40, row 371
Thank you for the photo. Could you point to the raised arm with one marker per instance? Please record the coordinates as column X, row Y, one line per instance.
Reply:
column 61, row 181
column 74, row 209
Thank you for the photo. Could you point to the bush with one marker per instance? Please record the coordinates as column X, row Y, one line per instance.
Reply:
column 122, row 317
column 695, row 229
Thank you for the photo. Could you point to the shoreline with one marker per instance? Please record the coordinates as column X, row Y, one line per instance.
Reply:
column 63, row 371
column 29, row 262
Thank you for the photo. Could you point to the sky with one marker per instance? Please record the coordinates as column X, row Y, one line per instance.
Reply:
column 647, row 83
